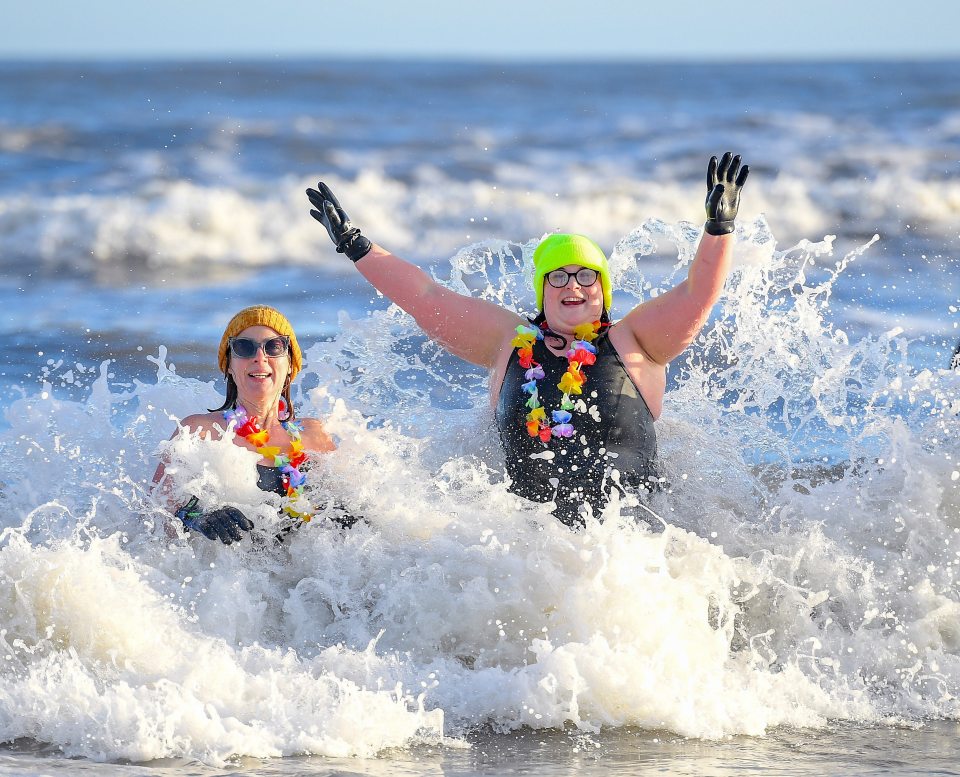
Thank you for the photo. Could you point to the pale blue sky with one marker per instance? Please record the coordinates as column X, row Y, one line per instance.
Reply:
column 489, row 29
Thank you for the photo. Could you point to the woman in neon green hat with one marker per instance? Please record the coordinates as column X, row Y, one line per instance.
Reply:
column 575, row 395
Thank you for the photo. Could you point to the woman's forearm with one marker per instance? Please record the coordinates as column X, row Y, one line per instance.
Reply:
column 400, row 281
column 710, row 268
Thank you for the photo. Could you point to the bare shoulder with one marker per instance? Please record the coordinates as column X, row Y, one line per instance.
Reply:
column 315, row 437
column 640, row 329
column 504, row 323
column 210, row 425
column 625, row 340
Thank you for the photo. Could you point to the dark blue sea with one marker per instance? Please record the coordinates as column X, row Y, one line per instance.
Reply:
column 792, row 609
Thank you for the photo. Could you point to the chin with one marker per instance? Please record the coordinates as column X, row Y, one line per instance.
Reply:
column 575, row 317
column 260, row 391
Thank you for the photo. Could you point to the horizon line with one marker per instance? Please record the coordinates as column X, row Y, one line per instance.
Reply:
column 460, row 58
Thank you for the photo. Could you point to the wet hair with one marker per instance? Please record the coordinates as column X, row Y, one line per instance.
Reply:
column 230, row 403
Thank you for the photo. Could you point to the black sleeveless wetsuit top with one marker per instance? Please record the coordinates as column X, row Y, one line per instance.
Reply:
column 614, row 443
column 269, row 479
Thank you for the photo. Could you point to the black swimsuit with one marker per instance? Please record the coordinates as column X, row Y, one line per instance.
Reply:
column 614, row 444
column 269, row 479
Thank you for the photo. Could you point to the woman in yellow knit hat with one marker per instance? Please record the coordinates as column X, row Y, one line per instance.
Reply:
column 575, row 395
column 259, row 356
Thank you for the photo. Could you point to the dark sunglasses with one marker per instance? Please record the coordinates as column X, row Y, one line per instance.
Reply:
column 245, row 348
column 560, row 278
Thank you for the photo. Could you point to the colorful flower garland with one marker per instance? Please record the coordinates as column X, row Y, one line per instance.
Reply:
column 247, row 427
column 582, row 353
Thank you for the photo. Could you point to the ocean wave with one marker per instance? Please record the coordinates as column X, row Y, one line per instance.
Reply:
column 170, row 224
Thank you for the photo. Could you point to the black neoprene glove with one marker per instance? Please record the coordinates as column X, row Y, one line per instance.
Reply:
column 222, row 524
column 344, row 235
column 723, row 193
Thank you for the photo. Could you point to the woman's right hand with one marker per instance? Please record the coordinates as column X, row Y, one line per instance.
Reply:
column 345, row 236
column 723, row 193
column 473, row 329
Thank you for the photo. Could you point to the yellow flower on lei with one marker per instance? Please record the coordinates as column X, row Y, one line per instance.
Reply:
column 586, row 332
column 537, row 414
column 259, row 439
column 571, row 381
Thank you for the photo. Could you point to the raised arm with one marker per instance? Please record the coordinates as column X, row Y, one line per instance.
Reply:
column 473, row 329
column 664, row 326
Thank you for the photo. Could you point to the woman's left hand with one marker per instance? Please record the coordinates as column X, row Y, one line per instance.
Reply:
column 224, row 524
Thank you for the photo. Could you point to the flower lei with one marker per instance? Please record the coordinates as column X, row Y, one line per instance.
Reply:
column 288, row 463
column 582, row 353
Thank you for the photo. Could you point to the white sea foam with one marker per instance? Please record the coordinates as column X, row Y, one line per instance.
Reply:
column 773, row 589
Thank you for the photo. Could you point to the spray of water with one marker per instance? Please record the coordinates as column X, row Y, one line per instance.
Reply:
column 799, row 568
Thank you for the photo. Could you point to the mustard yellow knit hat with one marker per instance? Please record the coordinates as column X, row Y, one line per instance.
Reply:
column 261, row 315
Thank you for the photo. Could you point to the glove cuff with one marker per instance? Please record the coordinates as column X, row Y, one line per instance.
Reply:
column 354, row 245
column 712, row 227
column 189, row 510
column 189, row 513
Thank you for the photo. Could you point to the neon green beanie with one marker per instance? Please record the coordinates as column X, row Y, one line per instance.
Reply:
column 556, row 251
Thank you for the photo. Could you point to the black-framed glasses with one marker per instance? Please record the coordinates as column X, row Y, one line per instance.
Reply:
column 245, row 348
column 560, row 278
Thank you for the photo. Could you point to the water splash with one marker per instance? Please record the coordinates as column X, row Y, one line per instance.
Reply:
column 805, row 569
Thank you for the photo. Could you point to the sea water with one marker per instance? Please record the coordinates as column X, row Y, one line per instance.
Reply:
column 788, row 604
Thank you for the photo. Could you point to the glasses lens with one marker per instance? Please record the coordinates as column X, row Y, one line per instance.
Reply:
column 586, row 276
column 560, row 278
column 243, row 347
column 276, row 346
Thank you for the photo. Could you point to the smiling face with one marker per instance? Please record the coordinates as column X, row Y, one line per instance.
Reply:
column 259, row 379
column 572, row 305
